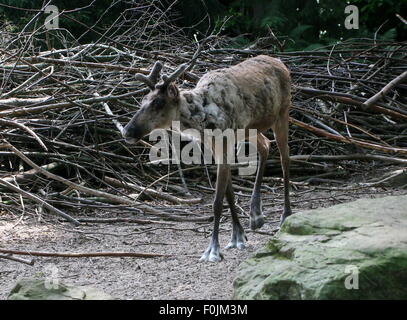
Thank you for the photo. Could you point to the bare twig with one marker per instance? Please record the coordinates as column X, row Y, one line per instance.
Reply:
column 25, row 261
column 85, row 254
column 37, row 199
column 386, row 89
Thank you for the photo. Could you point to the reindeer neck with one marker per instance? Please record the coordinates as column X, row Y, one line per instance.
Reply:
column 197, row 111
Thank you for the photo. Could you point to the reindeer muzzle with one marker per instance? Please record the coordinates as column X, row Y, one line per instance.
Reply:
column 133, row 134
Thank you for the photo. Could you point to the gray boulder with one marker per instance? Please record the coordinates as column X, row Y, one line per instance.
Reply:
column 39, row 289
column 355, row 250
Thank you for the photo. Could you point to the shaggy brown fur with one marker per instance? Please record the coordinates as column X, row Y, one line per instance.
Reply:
column 254, row 94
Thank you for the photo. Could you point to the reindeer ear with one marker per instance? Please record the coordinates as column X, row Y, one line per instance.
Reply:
column 172, row 91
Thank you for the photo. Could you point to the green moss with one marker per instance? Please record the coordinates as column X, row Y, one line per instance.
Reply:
column 310, row 257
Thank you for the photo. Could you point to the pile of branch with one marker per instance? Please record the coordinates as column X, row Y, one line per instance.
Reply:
column 61, row 112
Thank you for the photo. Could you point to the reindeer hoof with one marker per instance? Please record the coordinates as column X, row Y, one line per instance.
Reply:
column 237, row 241
column 285, row 214
column 212, row 254
column 236, row 244
column 256, row 222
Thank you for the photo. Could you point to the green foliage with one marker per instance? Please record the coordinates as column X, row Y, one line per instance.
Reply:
column 15, row 19
column 303, row 24
column 390, row 35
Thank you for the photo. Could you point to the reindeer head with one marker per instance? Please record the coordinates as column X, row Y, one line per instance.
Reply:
column 158, row 108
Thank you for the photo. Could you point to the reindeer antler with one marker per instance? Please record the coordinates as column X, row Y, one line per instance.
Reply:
column 152, row 79
column 173, row 76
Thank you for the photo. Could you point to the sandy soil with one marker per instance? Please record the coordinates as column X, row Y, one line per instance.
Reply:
column 180, row 276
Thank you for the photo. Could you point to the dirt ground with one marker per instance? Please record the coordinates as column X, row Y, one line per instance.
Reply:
column 180, row 276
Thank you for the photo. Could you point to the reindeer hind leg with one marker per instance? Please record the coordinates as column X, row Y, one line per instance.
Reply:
column 256, row 215
column 280, row 129
column 238, row 234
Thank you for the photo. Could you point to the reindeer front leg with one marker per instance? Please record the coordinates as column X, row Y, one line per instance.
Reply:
column 212, row 253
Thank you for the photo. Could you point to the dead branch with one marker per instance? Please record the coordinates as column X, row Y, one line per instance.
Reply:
column 78, row 187
column 85, row 254
column 386, row 89
column 29, row 174
column 9, row 257
column 63, row 110
column 151, row 192
column 347, row 140
column 37, row 199
column 122, row 220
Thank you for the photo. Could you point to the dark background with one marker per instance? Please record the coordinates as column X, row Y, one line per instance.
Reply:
column 303, row 24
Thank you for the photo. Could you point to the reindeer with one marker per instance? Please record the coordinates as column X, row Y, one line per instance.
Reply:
column 254, row 94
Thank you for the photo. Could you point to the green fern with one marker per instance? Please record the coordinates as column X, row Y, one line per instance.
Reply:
column 390, row 35
column 299, row 30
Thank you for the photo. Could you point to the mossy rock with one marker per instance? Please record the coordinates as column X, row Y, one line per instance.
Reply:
column 355, row 250
column 40, row 289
